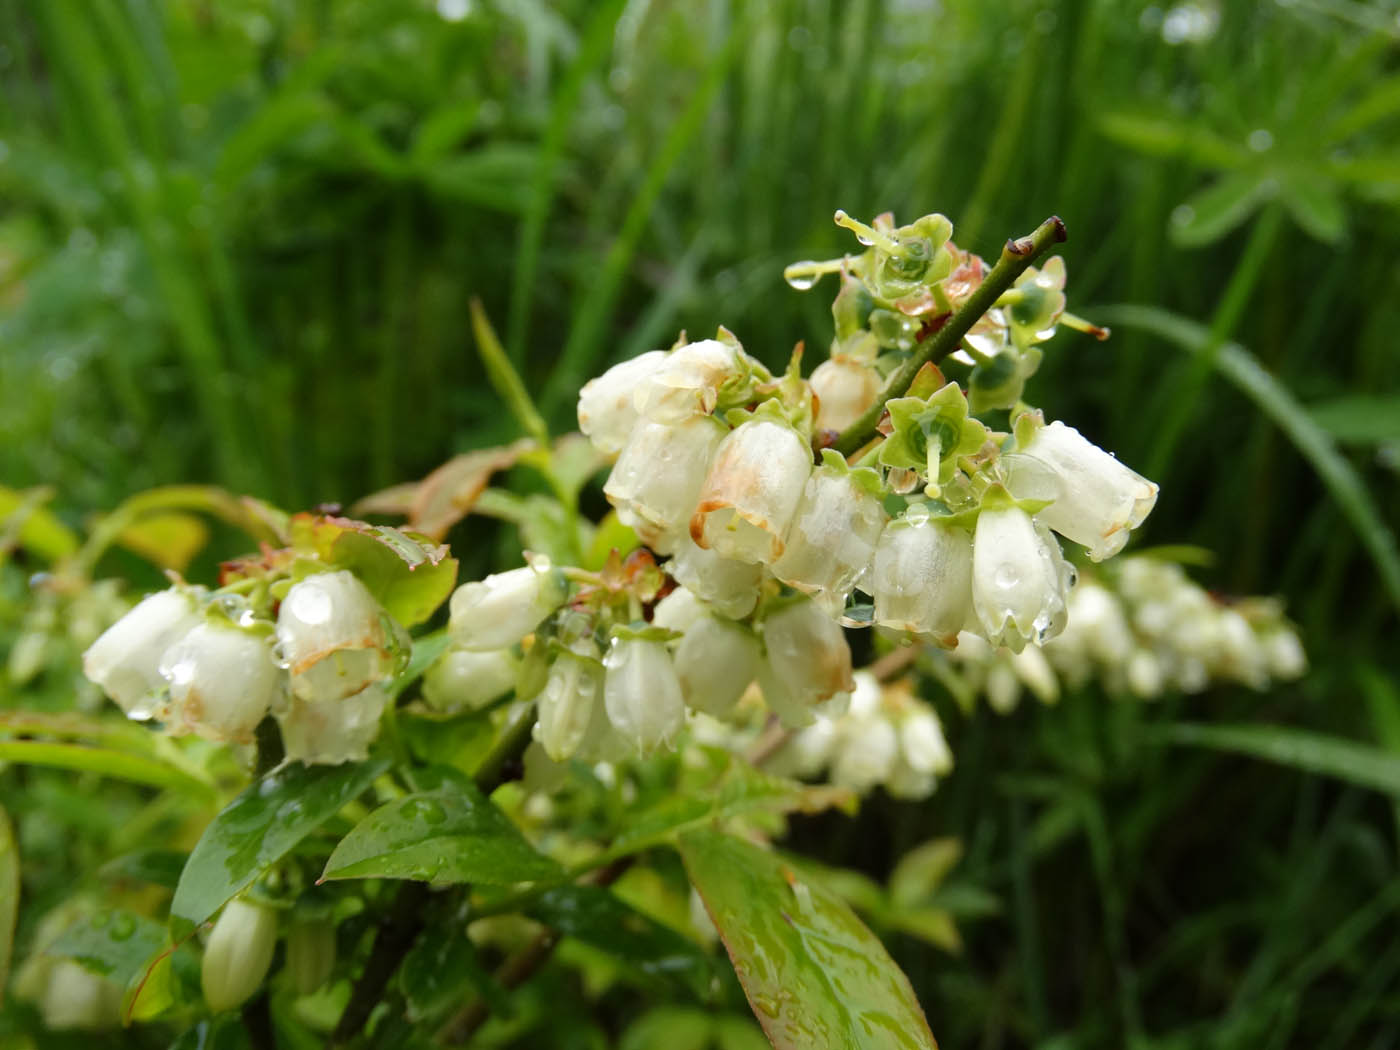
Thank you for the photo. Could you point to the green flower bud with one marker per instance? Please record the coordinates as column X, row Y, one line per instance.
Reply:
column 238, row 954
column 310, row 954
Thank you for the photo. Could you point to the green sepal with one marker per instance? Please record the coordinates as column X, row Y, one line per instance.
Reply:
column 865, row 478
column 998, row 497
column 1024, row 426
column 1037, row 302
column 998, row 383
column 644, row 632
column 773, row 410
column 917, row 423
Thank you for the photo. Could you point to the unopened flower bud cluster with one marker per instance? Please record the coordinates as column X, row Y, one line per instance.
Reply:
column 214, row 665
column 940, row 526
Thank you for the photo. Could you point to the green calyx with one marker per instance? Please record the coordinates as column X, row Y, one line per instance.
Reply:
column 1033, row 307
column 865, row 478
column 999, row 381
column 929, row 434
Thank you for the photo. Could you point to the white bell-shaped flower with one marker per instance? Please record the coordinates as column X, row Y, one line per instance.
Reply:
column 845, row 388
column 125, row 659
column 731, row 586
column 333, row 637
column 642, row 692
column 922, row 743
column 497, row 612
column 831, row 540
column 657, row 480
column 716, row 660
column 806, row 752
column 238, row 954
column 806, row 661
column 687, row 383
column 679, row 610
column 1017, row 580
column 222, row 682
column 607, row 408
column 754, row 486
column 1097, row 500
column 1284, row 651
column 866, row 754
column 1145, row 674
column 329, row 732
column 567, row 706
column 462, row 680
column 922, row 577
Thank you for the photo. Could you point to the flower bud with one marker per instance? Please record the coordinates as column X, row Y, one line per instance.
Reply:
column 125, row 660
column 1017, row 584
column 462, row 680
column 752, row 491
column 715, row 662
column 806, row 662
column 687, row 383
column 497, row 612
column 832, row 538
column 333, row 637
column 606, row 405
column 74, row 998
column 922, row 578
column 730, row 586
column 222, row 682
column 1003, row 688
column 642, row 692
column 310, row 954
column 845, row 388
column 238, row 954
column 656, row 481
column 567, row 705
column 329, row 732
column 1097, row 500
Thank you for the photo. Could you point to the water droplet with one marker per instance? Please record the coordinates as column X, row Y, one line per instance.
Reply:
column 917, row 514
column 802, row 275
column 1006, row 576
column 310, row 603
column 1260, row 140
column 123, row 926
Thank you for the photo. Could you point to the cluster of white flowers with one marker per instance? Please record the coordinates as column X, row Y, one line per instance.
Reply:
column 206, row 664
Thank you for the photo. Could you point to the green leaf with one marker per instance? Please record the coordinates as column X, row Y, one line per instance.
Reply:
column 504, row 377
column 1213, row 212
column 453, row 833
column 159, row 867
column 440, row 966
column 672, row 1027
column 116, row 944
column 1359, row 419
column 1168, row 137
column 138, row 769
column 1359, row 764
column 168, row 539
column 259, row 828
column 1315, row 205
column 408, row 574
column 922, row 870
column 598, row 917
column 1275, row 400
column 38, row 529
column 9, row 898
column 813, row 973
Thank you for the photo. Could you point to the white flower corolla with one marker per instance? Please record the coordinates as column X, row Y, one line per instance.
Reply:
column 806, row 752
column 462, row 680
column 922, row 744
column 752, row 491
column 716, row 660
column 731, row 586
column 679, row 610
column 607, row 408
column 1284, row 652
column 329, row 732
column 497, row 612
column 866, row 753
column 1241, row 657
column 125, row 659
column 1097, row 501
column 567, row 706
column 75, row 999
column 333, row 637
column 657, row 480
column 922, row 577
column 687, row 383
column 238, row 954
column 222, row 682
column 1035, row 672
column 806, row 661
column 1002, row 687
column 1017, row 580
column 1097, row 631
column 641, row 692
column 1143, row 672
column 844, row 388
column 831, row 539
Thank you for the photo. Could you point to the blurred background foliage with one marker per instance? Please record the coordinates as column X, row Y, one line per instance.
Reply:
column 238, row 241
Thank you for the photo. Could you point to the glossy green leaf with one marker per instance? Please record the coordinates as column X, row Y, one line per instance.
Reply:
column 452, row 833
column 598, row 917
column 121, row 765
column 259, row 828
column 1275, row 400
column 116, row 944
column 1360, row 764
column 426, row 651
column 9, row 898
column 1213, row 212
column 813, row 973
column 159, row 867
column 440, row 968
column 920, row 871
column 1359, row 419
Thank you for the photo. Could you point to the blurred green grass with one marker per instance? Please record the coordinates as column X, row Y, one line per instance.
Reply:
column 238, row 242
